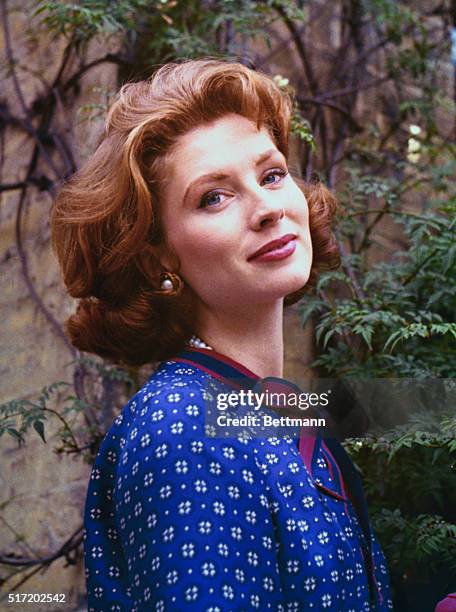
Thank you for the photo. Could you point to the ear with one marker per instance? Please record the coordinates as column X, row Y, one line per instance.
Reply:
column 165, row 257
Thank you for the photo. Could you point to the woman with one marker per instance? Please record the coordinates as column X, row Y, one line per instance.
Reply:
column 183, row 236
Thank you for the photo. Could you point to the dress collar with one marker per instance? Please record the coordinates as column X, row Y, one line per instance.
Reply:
column 228, row 370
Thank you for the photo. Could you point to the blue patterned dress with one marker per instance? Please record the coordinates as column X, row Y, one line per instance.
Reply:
column 178, row 520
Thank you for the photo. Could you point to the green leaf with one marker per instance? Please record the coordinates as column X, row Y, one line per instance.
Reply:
column 39, row 428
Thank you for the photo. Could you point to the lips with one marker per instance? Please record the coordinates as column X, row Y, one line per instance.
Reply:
column 283, row 246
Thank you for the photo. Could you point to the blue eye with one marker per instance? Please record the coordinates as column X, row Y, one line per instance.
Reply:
column 210, row 199
column 280, row 173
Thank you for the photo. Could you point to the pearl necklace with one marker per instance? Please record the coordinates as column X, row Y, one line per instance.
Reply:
column 198, row 343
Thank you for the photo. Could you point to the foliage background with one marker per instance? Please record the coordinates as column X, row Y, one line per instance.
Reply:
column 374, row 119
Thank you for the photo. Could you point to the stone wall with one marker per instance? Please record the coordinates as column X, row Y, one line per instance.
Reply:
column 42, row 493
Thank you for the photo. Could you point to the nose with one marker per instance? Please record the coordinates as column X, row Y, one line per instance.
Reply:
column 267, row 212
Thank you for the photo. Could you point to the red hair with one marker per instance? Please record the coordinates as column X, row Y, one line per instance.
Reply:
column 105, row 218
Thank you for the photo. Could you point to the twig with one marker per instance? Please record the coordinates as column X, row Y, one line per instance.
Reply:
column 25, row 120
column 68, row 546
column 24, row 264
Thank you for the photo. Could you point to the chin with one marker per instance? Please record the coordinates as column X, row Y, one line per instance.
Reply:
column 285, row 286
column 294, row 281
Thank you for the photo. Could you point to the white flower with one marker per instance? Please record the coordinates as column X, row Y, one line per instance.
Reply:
column 161, row 451
column 293, row 467
column 181, row 466
column 148, row 479
column 292, row 566
column 98, row 592
column 413, row 145
column 286, row 489
column 272, row 458
column 414, row 129
column 172, row 577
column 155, row 564
column 188, row 550
column 236, row 533
column 177, row 428
column 291, row 524
column 250, row 516
column 252, row 558
column 173, row 398
column 191, row 593
column 219, row 508
column 326, row 600
column 281, row 81
column 184, row 507
column 268, row 584
column 200, row 486
column 196, row 446
column 215, row 468
column 208, row 569
column 310, row 583
column 165, row 491
column 228, row 452
column 151, row 520
column 247, row 476
column 205, row 527
column 323, row 537
column 307, row 501
column 97, row 552
column 210, row 431
column 233, row 492
column 192, row 410
column 145, row 440
column 114, row 571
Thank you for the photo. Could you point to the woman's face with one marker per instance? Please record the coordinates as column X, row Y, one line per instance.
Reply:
column 228, row 196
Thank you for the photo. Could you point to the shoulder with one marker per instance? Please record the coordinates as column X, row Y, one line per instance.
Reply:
column 170, row 387
column 173, row 398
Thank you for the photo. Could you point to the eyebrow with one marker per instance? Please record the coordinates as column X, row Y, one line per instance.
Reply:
column 219, row 176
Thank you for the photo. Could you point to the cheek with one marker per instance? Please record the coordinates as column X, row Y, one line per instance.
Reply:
column 201, row 248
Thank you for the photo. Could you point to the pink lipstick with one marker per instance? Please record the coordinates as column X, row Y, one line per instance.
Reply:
column 276, row 249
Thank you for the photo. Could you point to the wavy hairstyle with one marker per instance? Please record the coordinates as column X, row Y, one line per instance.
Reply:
column 105, row 220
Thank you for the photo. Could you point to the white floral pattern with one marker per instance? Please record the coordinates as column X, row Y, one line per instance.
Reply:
column 176, row 520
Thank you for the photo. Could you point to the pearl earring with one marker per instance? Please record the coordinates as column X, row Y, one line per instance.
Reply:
column 170, row 284
column 167, row 284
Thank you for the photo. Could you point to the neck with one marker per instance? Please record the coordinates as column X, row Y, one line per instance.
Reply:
column 253, row 337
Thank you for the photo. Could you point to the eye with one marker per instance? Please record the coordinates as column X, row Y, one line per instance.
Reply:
column 276, row 172
column 210, row 199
